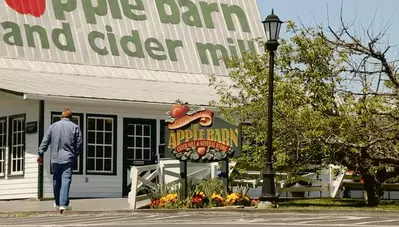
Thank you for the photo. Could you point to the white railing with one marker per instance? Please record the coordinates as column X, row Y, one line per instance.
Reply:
column 329, row 185
column 165, row 172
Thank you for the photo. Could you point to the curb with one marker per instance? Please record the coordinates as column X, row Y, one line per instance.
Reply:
column 196, row 211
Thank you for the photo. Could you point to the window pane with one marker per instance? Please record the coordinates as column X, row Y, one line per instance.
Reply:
column 90, row 164
column 100, row 138
column 147, row 130
column 108, row 125
column 75, row 166
column 147, row 143
column 19, row 166
column 139, row 154
column 108, row 151
column 56, row 118
column 108, row 138
column 90, row 151
column 99, row 164
column 100, row 124
column 91, row 124
column 92, row 137
column 75, row 120
column 130, row 141
column 107, row 164
column 14, row 165
column 139, row 130
column 130, row 154
column 99, row 151
column 162, row 132
column 147, row 154
column 14, row 125
column 139, row 142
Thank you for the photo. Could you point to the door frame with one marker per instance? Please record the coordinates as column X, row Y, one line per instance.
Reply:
column 153, row 156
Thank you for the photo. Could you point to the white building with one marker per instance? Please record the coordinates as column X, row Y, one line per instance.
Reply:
column 119, row 67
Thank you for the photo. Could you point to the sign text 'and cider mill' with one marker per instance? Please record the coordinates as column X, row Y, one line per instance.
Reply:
column 106, row 38
column 194, row 134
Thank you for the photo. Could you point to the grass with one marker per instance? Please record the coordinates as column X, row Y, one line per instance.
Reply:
column 336, row 204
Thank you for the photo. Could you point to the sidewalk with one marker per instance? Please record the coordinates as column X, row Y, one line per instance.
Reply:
column 79, row 205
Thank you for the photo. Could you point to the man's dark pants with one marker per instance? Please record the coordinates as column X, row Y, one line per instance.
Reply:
column 62, row 179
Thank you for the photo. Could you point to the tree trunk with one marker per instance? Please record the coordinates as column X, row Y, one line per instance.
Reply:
column 373, row 188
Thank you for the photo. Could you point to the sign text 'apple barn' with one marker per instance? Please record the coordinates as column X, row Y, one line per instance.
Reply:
column 194, row 134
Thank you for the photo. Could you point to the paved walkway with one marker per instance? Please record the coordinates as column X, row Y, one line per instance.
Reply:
column 80, row 205
column 210, row 219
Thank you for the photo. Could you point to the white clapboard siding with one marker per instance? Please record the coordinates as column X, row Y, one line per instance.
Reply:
column 97, row 185
column 21, row 187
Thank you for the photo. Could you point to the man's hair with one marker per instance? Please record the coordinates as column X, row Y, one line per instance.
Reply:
column 67, row 113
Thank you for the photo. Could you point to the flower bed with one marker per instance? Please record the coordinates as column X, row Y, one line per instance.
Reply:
column 207, row 194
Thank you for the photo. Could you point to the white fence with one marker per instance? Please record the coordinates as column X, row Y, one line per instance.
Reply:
column 165, row 172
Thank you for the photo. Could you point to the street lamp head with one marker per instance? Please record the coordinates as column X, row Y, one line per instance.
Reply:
column 272, row 26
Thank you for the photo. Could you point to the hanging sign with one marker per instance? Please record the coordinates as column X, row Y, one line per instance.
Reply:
column 194, row 134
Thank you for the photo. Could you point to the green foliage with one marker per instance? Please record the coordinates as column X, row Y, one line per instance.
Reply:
column 335, row 103
column 210, row 186
column 161, row 190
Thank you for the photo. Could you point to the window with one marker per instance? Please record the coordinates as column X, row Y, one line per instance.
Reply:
column 141, row 142
column 101, row 144
column 162, row 139
column 17, row 145
column 77, row 118
column 3, row 145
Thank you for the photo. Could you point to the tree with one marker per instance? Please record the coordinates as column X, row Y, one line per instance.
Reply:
column 335, row 103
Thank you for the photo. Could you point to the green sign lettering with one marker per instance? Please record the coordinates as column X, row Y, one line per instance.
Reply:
column 150, row 49
column 66, row 33
column 92, row 41
column 172, row 45
column 191, row 17
column 30, row 30
column 227, row 13
column 135, row 40
column 207, row 10
column 128, row 10
column 62, row 6
column 91, row 11
column 14, row 37
column 213, row 50
column 174, row 17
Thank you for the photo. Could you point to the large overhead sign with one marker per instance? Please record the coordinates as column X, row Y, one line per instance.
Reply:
column 177, row 35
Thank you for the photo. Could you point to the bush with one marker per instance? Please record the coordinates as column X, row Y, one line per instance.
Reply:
column 208, row 193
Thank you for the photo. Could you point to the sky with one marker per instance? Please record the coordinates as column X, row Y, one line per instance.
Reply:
column 362, row 12
column 312, row 12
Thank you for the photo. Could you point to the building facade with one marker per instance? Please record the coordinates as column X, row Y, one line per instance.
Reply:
column 119, row 65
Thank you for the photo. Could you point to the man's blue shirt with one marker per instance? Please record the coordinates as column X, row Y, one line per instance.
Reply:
column 65, row 140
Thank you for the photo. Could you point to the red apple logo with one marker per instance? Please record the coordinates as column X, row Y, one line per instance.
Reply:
column 35, row 8
column 201, row 151
column 179, row 110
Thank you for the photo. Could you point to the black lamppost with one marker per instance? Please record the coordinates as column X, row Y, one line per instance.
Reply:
column 272, row 26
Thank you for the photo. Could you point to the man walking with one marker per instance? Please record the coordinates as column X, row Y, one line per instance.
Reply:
column 65, row 140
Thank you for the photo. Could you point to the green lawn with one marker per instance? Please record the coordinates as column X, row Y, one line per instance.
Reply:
column 335, row 204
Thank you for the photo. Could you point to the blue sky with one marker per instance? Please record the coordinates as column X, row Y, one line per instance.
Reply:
column 312, row 12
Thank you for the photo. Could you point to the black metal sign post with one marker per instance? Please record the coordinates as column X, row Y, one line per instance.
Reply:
column 225, row 176
column 183, row 180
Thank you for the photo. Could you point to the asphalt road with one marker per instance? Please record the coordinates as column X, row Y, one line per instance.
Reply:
column 211, row 219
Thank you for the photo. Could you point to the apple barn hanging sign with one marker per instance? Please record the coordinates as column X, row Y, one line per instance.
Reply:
column 194, row 134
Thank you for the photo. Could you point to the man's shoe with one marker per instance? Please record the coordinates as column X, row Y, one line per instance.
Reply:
column 65, row 208
column 55, row 206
